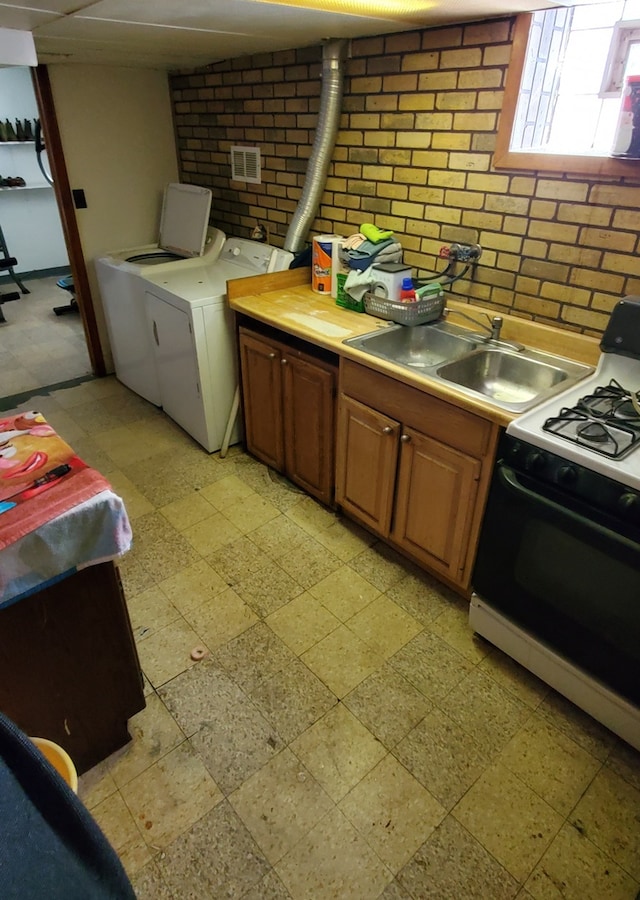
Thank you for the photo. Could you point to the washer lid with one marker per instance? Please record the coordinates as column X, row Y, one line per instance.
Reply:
column 185, row 217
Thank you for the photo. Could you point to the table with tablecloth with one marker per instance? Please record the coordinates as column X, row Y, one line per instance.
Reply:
column 69, row 669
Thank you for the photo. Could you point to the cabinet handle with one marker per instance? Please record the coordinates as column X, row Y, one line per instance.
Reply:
column 405, row 438
column 387, row 429
column 283, row 362
column 155, row 333
column 272, row 356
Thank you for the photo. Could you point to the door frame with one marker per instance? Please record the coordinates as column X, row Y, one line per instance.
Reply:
column 66, row 209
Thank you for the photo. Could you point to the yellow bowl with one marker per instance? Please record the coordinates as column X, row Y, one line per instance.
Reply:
column 60, row 760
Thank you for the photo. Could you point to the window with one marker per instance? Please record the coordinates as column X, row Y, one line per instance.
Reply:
column 564, row 88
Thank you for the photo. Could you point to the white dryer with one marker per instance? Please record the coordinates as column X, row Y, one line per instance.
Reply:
column 191, row 329
column 185, row 241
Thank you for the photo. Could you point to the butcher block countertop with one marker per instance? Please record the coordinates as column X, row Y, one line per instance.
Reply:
column 286, row 301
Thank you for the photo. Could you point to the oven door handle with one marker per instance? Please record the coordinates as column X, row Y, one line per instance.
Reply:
column 509, row 480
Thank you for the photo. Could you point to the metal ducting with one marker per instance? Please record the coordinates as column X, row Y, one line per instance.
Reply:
column 323, row 144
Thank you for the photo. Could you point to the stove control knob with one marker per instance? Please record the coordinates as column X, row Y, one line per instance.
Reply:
column 567, row 475
column 535, row 461
column 629, row 502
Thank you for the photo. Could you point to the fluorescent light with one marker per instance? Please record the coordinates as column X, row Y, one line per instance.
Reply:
column 382, row 9
column 17, row 48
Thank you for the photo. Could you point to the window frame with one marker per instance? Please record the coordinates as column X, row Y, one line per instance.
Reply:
column 528, row 160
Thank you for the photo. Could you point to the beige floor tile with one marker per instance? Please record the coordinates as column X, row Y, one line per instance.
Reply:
column 292, row 700
column 591, row 735
column 279, row 537
column 452, row 625
column 338, row 751
column 148, row 884
column 342, row 660
column 255, row 656
column 135, row 576
column 208, row 536
column 344, row 539
column 226, row 492
column 236, row 744
column 380, row 565
column 625, row 761
column 154, row 733
column 280, row 804
column 167, row 653
column 443, row 757
column 188, row 511
column 96, row 785
column 311, row 516
column 388, row 705
column 514, row 678
column 119, row 827
column 193, row 586
column 251, row 512
column 268, row 588
column 302, row 622
column 550, row 763
column 609, row 815
column 269, row 888
column 170, row 796
column 215, row 858
column 238, row 560
column 163, row 559
column 393, row 812
column 509, row 820
column 344, row 592
column 150, row 611
column 421, row 596
column 201, row 695
column 309, row 563
column 220, row 619
column 576, row 869
column 394, row 891
column 136, row 503
column 431, row 665
column 333, row 861
column 484, row 709
column 384, row 626
column 453, row 865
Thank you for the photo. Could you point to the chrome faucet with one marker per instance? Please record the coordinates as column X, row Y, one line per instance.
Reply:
column 493, row 329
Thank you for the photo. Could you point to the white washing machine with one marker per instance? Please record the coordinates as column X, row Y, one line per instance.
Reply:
column 191, row 329
column 185, row 241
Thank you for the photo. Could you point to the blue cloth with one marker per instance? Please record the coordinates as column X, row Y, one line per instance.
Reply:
column 51, row 848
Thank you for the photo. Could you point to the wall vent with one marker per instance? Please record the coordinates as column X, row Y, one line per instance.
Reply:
column 245, row 164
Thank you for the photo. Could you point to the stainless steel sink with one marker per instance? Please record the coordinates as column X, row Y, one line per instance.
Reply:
column 511, row 379
column 510, row 376
column 418, row 347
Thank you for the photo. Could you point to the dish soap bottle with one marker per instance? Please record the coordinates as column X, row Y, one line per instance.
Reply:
column 407, row 293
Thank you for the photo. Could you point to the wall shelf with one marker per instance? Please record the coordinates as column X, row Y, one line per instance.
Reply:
column 28, row 187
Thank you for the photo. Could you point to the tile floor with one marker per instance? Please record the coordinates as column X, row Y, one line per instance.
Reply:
column 37, row 347
column 345, row 736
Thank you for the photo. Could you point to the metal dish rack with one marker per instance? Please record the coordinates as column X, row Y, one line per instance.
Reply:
column 416, row 312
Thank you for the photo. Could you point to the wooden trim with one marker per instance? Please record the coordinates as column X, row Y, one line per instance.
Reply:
column 504, row 158
column 62, row 189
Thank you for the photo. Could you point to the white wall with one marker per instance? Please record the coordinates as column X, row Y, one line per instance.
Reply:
column 119, row 147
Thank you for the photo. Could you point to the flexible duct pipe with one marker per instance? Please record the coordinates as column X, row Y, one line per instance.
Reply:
column 323, row 144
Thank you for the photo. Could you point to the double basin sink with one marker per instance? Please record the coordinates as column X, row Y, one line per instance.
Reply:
column 511, row 377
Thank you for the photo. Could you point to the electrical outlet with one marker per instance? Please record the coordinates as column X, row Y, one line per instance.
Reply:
column 467, row 253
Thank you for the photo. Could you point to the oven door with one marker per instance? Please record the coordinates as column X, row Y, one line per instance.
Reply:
column 565, row 574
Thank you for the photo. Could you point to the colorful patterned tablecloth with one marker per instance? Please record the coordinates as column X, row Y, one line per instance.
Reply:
column 57, row 514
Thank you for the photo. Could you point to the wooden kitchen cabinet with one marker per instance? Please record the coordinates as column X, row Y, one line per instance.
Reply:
column 414, row 469
column 289, row 410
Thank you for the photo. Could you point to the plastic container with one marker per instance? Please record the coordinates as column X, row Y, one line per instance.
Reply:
column 59, row 759
column 407, row 293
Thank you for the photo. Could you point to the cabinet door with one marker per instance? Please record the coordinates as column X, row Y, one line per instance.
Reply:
column 367, row 455
column 309, row 425
column 436, row 494
column 175, row 354
column 262, row 399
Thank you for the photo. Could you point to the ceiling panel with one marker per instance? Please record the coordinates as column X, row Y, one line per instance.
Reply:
column 185, row 33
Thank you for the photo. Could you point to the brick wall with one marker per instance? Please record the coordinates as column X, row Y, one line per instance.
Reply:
column 414, row 154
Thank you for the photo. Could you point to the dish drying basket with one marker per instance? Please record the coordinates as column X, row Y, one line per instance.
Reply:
column 415, row 312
